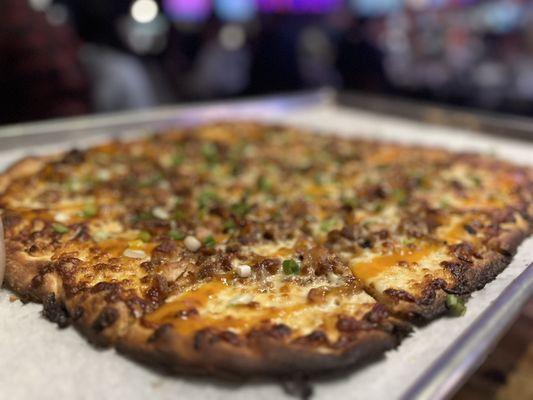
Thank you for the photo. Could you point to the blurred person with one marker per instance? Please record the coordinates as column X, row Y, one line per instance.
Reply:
column 317, row 58
column 360, row 61
column 119, row 80
column 275, row 65
column 222, row 65
column 40, row 75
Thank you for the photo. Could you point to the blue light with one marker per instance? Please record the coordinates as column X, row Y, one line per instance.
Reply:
column 374, row 8
column 235, row 10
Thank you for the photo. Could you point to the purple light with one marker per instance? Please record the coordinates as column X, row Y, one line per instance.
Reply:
column 187, row 10
column 300, row 6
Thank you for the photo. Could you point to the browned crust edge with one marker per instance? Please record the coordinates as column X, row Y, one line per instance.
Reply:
column 206, row 354
column 24, row 167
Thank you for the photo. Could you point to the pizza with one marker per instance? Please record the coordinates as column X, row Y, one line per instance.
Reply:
column 240, row 248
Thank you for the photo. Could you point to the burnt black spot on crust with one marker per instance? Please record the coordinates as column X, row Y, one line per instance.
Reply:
column 347, row 324
column 205, row 337
column 105, row 287
column 77, row 313
column 273, row 331
column 470, row 229
column 230, row 337
column 464, row 251
column 429, row 292
column 37, row 281
column 160, row 333
column 298, row 385
column 377, row 314
column 107, row 318
column 55, row 311
column 317, row 337
column 398, row 294
column 279, row 331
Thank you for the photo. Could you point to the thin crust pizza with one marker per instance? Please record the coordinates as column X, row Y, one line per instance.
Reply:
column 251, row 249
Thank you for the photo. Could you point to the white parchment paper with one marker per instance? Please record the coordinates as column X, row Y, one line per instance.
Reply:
column 39, row 361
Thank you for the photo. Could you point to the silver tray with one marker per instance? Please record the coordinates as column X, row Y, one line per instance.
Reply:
column 439, row 379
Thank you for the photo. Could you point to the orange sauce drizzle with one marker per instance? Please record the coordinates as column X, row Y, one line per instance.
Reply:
column 385, row 155
column 247, row 318
column 370, row 269
column 318, row 190
column 477, row 202
column 283, row 252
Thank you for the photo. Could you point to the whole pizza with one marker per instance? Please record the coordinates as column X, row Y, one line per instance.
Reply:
column 251, row 249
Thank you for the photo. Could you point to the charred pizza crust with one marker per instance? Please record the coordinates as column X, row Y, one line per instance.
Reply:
column 110, row 313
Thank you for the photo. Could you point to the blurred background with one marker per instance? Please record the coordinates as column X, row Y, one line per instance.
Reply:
column 71, row 57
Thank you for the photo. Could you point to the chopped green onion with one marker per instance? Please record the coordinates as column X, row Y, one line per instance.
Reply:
column 89, row 210
column 444, row 203
column 145, row 236
column 74, row 185
column 455, row 305
column 328, row 224
column 151, row 181
column 176, row 235
column 263, row 184
column 237, row 151
column 319, row 179
column 378, row 207
column 142, row 216
column 178, row 214
column 350, row 201
column 290, row 267
column 177, row 159
column 100, row 236
column 408, row 241
column 476, row 180
column 210, row 152
column 209, row 241
column 206, row 200
column 229, row 225
column 400, row 196
column 241, row 209
column 59, row 228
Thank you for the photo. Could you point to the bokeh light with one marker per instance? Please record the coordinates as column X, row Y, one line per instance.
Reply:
column 187, row 10
column 235, row 10
column 144, row 11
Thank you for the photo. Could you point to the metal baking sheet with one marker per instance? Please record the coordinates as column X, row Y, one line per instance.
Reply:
column 40, row 361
